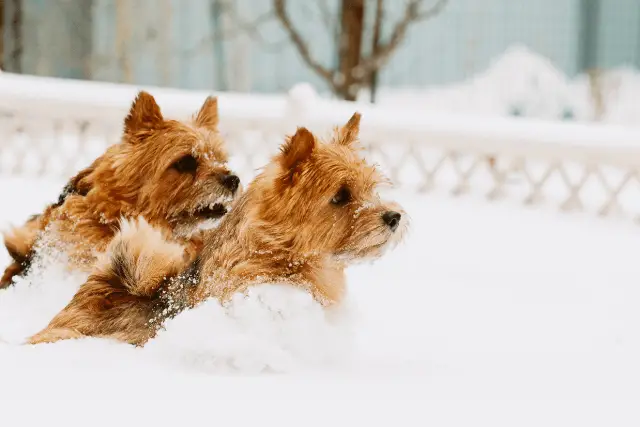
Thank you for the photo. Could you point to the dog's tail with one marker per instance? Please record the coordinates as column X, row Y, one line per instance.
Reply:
column 140, row 259
column 118, row 299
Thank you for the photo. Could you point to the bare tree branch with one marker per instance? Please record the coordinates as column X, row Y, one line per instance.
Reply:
column 432, row 11
column 250, row 29
column 280, row 9
column 241, row 27
column 354, row 71
column 412, row 14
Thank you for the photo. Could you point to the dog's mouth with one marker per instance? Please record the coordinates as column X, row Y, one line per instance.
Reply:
column 204, row 215
column 362, row 254
column 202, row 218
column 211, row 211
column 374, row 247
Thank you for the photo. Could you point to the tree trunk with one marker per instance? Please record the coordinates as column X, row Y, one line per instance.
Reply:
column 12, row 34
column 377, row 30
column 350, row 49
column 1, row 34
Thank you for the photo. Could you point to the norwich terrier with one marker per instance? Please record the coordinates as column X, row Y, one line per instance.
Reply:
column 311, row 212
column 172, row 173
column 20, row 241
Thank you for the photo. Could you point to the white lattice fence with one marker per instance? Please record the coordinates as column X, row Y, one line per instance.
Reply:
column 53, row 127
column 572, row 186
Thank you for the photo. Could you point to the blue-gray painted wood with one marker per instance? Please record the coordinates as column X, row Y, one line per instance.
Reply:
column 174, row 43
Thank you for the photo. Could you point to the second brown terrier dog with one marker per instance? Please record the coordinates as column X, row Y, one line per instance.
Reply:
column 173, row 173
column 308, row 215
column 20, row 242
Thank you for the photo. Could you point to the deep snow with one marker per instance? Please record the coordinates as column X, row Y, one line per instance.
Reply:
column 486, row 315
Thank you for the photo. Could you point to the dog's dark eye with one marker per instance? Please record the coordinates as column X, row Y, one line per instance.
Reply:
column 342, row 197
column 186, row 164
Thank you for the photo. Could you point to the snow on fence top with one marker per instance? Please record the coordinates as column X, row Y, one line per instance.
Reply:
column 53, row 127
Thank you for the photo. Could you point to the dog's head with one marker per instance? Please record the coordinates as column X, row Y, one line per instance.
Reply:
column 166, row 170
column 320, row 198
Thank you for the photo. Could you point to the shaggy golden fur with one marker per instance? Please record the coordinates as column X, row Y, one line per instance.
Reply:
column 20, row 241
column 172, row 173
column 309, row 214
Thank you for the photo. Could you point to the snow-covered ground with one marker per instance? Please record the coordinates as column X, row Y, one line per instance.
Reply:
column 487, row 315
column 490, row 315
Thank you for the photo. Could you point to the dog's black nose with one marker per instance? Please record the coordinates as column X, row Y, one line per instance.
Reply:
column 231, row 182
column 392, row 219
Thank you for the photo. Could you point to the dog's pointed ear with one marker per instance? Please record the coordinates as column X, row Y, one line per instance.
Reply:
column 348, row 134
column 297, row 149
column 207, row 117
column 144, row 114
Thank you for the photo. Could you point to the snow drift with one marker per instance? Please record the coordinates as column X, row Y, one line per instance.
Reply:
column 273, row 327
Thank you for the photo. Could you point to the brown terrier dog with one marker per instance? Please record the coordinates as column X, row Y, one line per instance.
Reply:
column 20, row 242
column 311, row 212
column 172, row 173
